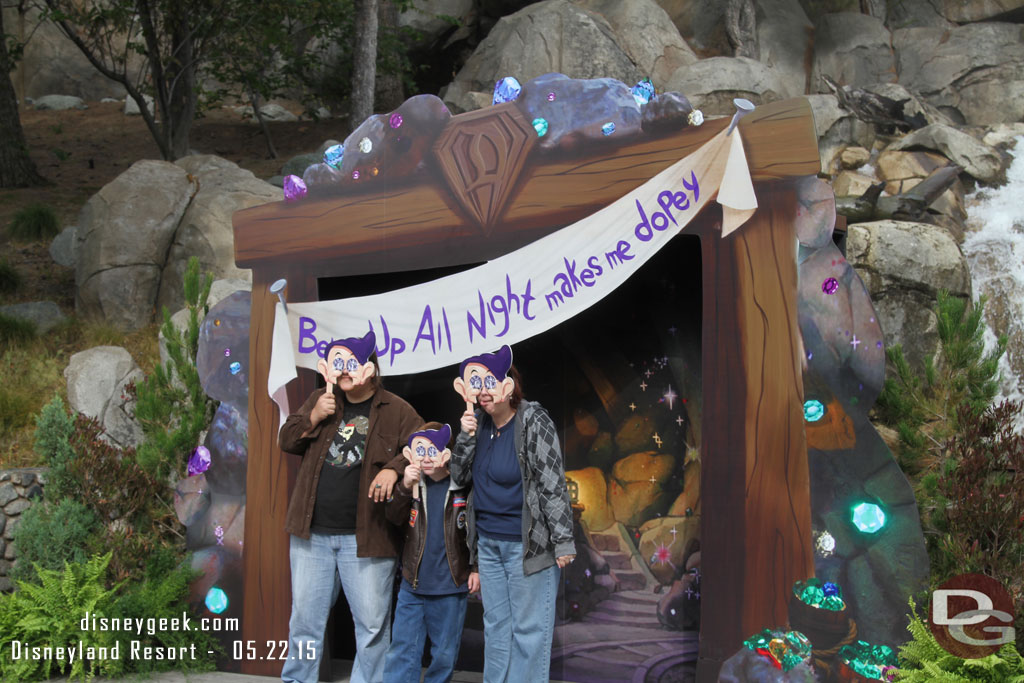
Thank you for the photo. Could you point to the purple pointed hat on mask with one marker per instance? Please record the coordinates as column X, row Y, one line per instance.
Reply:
column 498, row 362
column 438, row 437
column 361, row 347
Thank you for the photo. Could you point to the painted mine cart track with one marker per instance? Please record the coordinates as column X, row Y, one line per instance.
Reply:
column 622, row 640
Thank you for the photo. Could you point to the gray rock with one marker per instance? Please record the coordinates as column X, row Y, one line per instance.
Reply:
column 7, row 493
column 426, row 17
column 59, row 102
column 913, row 104
column 784, row 37
column 1003, row 135
column 837, row 129
column 746, row 665
column 3, row 523
column 976, row 158
column 853, row 49
column 45, row 315
column 297, row 165
column 124, row 235
column 63, row 247
column 12, row 525
column 275, row 112
column 904, row 265
column 16, row 507
column 908, row 13
column 131, row 107
column 11, row 551
column 5, row 584
column 553, row 35
column 34, row 491
column 702, row 25
column 205, row 230
column 946, row 13
column 711, row 84
column 976, row 69
column 96, row 381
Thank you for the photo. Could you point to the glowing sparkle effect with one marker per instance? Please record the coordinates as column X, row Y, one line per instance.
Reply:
column 662, row 555
column 813, row 410
column 216, row 600
column 826, row 544
column 868, row 518
column 670, row 397
column 643, row 386
column 854, row 342
column 657, row 439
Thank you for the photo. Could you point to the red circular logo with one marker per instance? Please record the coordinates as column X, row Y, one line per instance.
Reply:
column 971, row 616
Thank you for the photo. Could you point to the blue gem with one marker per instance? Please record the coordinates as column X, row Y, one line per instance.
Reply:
column 235, row 368
column 333, row 155
column 830, row 589
column 643, row 92
column 506, row 90
column 608, row 128
column 216, row 600
column 813, row 410
column 541, row 126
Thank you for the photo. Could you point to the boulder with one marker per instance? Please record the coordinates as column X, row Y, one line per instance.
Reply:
column 429, row 18
column 275, row 112
column 702, row 25
column 853, row 49
column 903, row 170
column 593, row 495
column 664, row 541
column 904, row 265
column 914, row 106
column 646, row 34
column 851, row 184
column 63, row 249
column 784, row 38
column 837, row 129
column 553, row 35
column 747, row 665
column 96, row 381
column 975, row 158
column 635, row 434
column 131, row 107
column 711, row 84
column 946, row 13
column 205, row 230
column 976, row 70
column 124, row 234
column 854, row 157
column 58, row 102
column 45, row 315
column 687, row 503
column 1003, row 135
column 636, row 491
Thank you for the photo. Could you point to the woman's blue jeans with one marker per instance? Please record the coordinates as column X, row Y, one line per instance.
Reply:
column 519, row 613
column 319, row 566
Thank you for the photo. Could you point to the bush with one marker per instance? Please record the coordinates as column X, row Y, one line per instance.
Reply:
column 33, row 223
column 51, row 534
column 15, row 331
column 54, row 429
column 10, row 278
column 49, row 613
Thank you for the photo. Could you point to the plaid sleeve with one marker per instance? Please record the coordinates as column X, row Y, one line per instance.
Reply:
column 550, row 479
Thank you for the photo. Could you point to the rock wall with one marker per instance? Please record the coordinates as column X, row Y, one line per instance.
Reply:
column 19, row 489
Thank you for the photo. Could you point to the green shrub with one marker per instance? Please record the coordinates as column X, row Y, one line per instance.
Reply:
column 51, row 534
column 15, row 331
column 922, row 660
column 34, row 222
column 10, row 278
column 49, row 613
column 54, row 428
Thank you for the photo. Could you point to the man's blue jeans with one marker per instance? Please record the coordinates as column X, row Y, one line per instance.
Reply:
column 417, row 616
column 519, row 613
column 318, row 566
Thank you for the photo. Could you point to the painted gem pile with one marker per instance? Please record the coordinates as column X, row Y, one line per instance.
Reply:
column 823, row 595
column 876, row 662
column 784, row 649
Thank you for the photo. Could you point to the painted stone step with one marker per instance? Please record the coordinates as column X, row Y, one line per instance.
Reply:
column 633, row 620
column 617, row 560
column 607, row 542
column 631, row 580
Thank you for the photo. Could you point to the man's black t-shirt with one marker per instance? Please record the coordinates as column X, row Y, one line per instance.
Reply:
column 338, row 489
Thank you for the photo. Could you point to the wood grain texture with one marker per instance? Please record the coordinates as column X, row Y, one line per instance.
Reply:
column 372, row 228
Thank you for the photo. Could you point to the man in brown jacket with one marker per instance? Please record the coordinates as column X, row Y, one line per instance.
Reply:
column 350, row 435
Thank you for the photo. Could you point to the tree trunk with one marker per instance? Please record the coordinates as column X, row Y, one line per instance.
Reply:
column 181, row 84
column 389, row 93
column 364, row 62
column 16, row 167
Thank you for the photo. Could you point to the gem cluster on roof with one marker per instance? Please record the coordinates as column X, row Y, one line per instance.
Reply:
column 565, row 112
column 823, row 595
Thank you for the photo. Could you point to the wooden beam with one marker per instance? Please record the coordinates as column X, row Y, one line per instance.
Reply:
column 380, row 226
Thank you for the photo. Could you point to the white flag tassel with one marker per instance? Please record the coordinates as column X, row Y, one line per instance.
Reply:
column 282, row 362
column 736, row 195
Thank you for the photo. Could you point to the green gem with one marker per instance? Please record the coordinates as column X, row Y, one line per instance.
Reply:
column 814, row 581
column 812, row 595
column 883, row 654
column 833, row 602
column 799, row 643
column 798, row 588
column 789, row 660
column 541, row 126
column 868, row 518
column 847, row 653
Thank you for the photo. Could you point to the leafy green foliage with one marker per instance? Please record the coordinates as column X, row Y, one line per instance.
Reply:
column 54, row 429
column 922, row 660
column 172, row 407
column 10, row 278
column 51, row 534
column 48, row 613
column 34, row 222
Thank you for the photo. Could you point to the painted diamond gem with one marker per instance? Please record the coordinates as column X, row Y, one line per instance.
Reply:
column 396, row 120
column 813, row 410
column 199, row 461
column 868, row 518
column 608, row 128
column 830, row 285
column 235, row 368
column 695, row 118
column 506, row 90
column 365, row 146
column 643, row 91
column 294, row 188
column 541, row 126
column 334, row 155
column 216, row 600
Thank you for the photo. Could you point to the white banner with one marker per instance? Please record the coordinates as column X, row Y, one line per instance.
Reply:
column 527, row 291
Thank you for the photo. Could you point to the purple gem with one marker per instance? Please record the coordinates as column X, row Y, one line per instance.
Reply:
column 878, row 345
column 199, row 462
column 294, row 188
column 355, row 175
column 506, row 90
column 218, row 531
column 227, row 352
column 395, row 120
column 830, row 286
column 551, row 97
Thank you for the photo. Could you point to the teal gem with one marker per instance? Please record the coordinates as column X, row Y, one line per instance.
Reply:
column 235, row 368
column 813, row 410
column 216, row 600
column 789, row 660
column 847, row 653
column 541, row 126
column 799, row 643
column 608, row 128
column 643, row 91
column 334, row 155
column 883, row 654
column 812, row 595
column 833, row 602
column 868, row 518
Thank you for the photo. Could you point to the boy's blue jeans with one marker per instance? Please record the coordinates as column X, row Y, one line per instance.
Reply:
column 417, row 616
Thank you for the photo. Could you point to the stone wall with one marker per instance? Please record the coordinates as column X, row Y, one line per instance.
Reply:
column 19, row 488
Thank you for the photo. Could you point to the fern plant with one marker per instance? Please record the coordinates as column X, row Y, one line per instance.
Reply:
column 49, row 614
column 923, row 660
column 172, row 407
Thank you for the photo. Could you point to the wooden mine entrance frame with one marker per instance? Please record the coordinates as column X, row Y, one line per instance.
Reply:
column 754, row 447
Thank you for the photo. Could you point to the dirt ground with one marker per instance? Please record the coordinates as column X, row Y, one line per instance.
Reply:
column 79, row 151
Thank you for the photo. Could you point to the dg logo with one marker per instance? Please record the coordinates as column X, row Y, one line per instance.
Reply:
column 971, row 616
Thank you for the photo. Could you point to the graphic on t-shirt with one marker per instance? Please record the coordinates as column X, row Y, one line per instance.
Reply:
column 349, row 443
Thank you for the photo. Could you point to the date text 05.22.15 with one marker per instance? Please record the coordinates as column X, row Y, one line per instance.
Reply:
column 255, row 650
